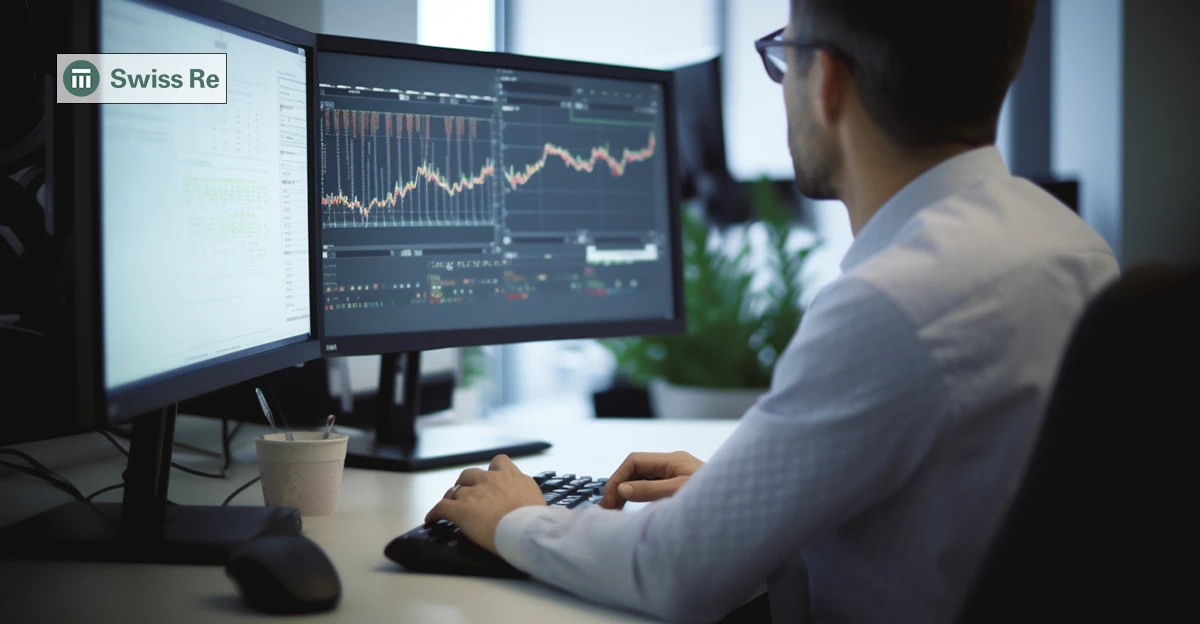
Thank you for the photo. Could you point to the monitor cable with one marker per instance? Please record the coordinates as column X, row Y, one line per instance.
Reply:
column 179, row 467
column 227, row 437
column 38, row 471
column 223, row 454
column 109, row 488
column 240, row 490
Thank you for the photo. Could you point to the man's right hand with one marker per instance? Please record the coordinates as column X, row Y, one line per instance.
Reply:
column 645, row 477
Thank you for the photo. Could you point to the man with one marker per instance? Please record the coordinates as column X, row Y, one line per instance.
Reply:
column 866, row 484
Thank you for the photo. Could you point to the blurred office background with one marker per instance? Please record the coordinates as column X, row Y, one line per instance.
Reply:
column 1103, row 113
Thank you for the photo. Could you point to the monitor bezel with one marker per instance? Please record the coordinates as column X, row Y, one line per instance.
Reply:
column 82, row 151
column 369, row 344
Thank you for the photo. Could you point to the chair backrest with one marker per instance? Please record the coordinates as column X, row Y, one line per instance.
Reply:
column 1093, row 516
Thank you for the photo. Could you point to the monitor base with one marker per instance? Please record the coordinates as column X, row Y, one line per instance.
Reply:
column 191, row 535
column 436, row 447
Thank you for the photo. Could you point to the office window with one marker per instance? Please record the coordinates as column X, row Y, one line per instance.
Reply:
column 755, row 125
column 660, row 34
column 464, row 24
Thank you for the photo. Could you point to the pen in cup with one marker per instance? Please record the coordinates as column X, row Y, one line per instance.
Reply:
column 266, row 409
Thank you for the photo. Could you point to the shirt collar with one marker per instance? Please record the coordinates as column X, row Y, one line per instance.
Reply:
column 940, row 181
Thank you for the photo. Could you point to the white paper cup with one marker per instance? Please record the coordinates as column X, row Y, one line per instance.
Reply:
column 305, row 473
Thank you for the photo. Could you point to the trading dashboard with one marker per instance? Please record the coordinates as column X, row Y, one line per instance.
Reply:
column 460, row 197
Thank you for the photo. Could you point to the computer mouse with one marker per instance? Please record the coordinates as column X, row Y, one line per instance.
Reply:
column 284, row 575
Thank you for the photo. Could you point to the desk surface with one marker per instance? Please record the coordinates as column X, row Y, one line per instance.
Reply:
column 373, row 508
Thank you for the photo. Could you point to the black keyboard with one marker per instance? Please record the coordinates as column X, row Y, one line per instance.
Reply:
column 443, row 549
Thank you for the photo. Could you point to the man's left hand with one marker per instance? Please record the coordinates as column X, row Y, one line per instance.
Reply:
column 481, row 498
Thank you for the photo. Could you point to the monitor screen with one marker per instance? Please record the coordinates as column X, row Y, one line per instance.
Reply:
column 204, row 207
column 468, row 197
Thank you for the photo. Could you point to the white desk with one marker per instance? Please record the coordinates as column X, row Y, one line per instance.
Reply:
column 374, row 507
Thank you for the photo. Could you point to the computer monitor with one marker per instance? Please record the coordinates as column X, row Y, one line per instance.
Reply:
column 474, row 198
column 193, row 234
column 703, row 171
column 216, row 288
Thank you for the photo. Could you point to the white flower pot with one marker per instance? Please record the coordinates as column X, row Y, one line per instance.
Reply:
column 688, row 402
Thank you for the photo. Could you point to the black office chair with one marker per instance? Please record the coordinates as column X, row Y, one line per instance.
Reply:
column 1096, row 530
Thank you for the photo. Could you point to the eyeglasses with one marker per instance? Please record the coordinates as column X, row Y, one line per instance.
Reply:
column 770, row 48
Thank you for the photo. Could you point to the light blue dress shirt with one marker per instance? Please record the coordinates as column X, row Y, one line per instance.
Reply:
column 866, row 484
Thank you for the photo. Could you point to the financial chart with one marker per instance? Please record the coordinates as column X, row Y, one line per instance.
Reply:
column 389, row 170
column 456, row 197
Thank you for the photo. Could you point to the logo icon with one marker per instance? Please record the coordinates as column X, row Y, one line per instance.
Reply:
column 81, row 78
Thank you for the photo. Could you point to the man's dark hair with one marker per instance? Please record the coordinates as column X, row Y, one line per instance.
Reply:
column 928, row 72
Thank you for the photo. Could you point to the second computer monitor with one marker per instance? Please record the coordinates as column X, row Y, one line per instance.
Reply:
column 471, row 198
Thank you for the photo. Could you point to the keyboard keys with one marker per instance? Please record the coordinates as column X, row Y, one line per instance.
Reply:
column 578, row 483
column 550, row 498
column 542, row 477
column 571, row 502
column 570, row 476
column 552, row 484
column 588, row 489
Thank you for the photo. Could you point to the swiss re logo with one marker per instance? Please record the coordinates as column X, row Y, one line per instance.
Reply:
column 142, row 78
column 81, row 78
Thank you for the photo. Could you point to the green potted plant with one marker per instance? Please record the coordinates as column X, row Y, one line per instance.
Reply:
column 736, row 327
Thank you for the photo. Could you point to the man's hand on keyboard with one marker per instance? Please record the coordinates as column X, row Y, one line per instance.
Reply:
column 645, row 477
column 481, row 498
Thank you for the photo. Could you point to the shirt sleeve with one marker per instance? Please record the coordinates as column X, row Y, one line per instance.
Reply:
column 855, row 404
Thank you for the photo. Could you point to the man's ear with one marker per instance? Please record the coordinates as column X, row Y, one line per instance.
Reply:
column 829, row 84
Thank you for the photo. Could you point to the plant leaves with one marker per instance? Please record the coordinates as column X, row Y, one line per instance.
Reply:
column 734, row 335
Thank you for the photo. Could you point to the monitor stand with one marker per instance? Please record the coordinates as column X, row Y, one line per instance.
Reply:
column 145, row 527
column 395, row 446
